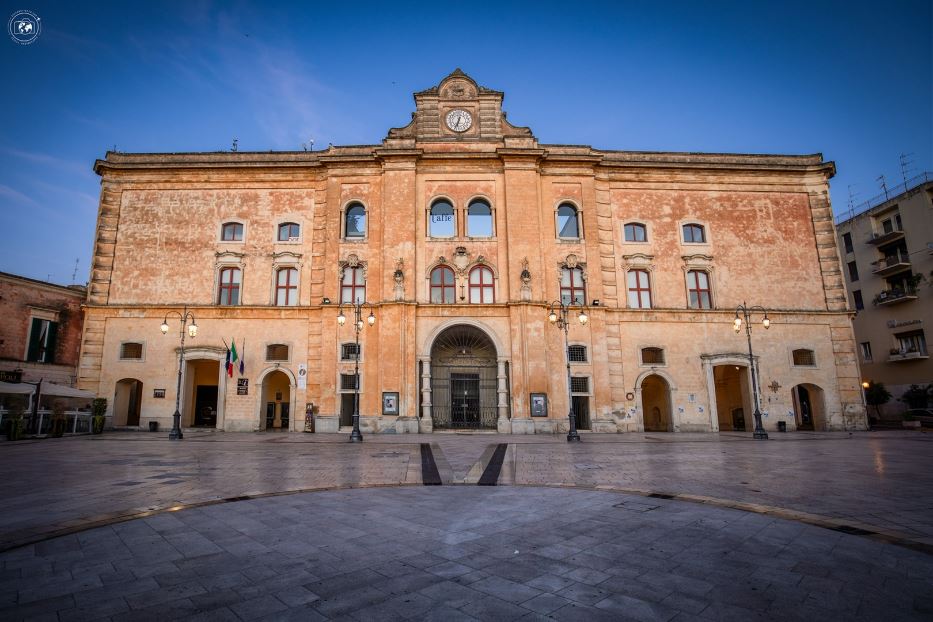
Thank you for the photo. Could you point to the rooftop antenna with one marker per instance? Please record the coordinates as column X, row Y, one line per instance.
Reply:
column 852, row 196
column 74, row 274
column 235, row 141
column 905, row 167
column 884, row 186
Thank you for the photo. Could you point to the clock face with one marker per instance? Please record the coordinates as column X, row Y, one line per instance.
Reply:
column 459, row 120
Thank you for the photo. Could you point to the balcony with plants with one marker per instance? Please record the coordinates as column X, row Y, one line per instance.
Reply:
column 892, row 264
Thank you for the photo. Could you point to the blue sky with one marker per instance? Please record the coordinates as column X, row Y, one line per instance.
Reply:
column 851, row 80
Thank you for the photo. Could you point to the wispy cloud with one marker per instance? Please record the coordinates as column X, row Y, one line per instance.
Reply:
column 17, row 197
column 44, row 159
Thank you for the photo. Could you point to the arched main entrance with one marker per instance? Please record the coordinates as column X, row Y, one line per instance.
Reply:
column 656, row 404
column 464, row 380
column 808, row 407
column 127, row 402
column 276, row 401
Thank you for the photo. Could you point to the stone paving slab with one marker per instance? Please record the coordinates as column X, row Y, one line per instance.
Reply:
column 538, row 554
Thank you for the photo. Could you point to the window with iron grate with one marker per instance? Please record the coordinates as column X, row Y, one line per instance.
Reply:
column 579, row 384
column 804, row 357
column 576, row 354
column 131, row 350
column 277, row 352
column 348, row 382
column 652, row 356
column 350, row 351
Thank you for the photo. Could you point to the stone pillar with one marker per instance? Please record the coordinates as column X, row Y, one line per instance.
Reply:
column 503, row 424
column 425, row 423
column 711, row 394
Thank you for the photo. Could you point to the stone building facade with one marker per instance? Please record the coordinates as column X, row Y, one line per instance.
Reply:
column 459, row 231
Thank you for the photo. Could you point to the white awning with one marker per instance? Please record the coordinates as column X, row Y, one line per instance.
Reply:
column 57, row 390
column 10, row 388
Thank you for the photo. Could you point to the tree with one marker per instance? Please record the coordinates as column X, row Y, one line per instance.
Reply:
column 876, row 395
column 917, row 396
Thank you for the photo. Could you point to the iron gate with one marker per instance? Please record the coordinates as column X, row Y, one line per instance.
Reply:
column 464, row 396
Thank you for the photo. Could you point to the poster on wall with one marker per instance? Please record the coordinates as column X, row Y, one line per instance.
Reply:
column 390, row 403
column 303, row 376
column 539, row 404
column 242, row 386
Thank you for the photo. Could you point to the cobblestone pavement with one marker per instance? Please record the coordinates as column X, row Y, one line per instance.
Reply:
column 463, row 553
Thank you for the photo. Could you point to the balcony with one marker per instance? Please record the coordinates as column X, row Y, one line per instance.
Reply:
column 895, row 295
column 882, row 238
column 892, row 264
column 907, row 355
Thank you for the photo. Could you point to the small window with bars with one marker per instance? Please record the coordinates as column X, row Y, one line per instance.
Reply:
column 652, row 356
column 131, row 351
column 804, row 358
column 579, row 384
column 277, row 352
column 348, row 382
column 576, row 354
column 350, row 351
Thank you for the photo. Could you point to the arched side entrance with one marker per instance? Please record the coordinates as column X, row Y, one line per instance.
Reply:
column 127, row 402
column 464, row 380
column 276, row 401
column 656, row 404
column 809, row 412
column 733, row 397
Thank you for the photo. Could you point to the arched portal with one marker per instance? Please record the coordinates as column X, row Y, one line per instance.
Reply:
column 464, row 379
column 808, row 407
column 276, row 401
column 656, row 404
column 127, row 402
column 733, row 397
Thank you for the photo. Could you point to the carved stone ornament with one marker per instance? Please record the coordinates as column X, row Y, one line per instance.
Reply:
column 399, row 276
column 461, row 259
column 352, row 261
column 526, row 274
column 571, row 261
column 229, row 258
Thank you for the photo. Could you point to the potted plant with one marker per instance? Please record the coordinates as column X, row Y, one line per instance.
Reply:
column 876, row 395
column 13, row 422
column 59, row 420
column 98, row 412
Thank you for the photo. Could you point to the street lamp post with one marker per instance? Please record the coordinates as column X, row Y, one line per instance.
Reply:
column 356, row 436
column 746, row 312
column 192, row 331
column 557, row 315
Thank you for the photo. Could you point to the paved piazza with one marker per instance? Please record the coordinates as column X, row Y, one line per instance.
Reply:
column 130, row 526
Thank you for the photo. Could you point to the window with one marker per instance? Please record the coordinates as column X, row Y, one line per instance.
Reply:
column 652, row 356
column 286, row 287
column 579, row 384
column 912, row 342
column 698, row 289
column 576, row 354
column 887, row 226
column 353, row 286
column 853, row 271
column 482, row 288
column 442, row 285
column 804, row 358
column 442, row 220
column 348, row 382
column 636, row 232
column 847, row 242
column 289, row 232
column 865, row 346
column 639, row 289
column 131, row 351
column 231, row 232
column 229, row 291
column 355, row 221
column 276, row 352
column 859, row 303
column 694, row 234
column 479, row 220
column 42, row 338
column 568, row 225
column 350, row 351
column 572, row 287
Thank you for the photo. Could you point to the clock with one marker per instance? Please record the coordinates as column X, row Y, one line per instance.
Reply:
column 459, row 120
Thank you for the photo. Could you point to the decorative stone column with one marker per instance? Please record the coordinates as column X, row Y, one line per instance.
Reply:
column 425, row 423
column 503, row 424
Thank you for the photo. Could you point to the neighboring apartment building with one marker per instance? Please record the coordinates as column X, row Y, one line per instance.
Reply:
column 887, row 251
column 458, row 231
column 40, row 334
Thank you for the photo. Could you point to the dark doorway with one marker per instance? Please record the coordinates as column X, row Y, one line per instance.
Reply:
column 270, row 415
column 283, row 415
column 738, row 419
column 347, row 400
column 581, row 411
column 464, row 400
column 205, row 405
column 805, row 413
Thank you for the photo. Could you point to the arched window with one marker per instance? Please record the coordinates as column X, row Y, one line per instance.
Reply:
column 698, row 290
column 288, row 232
column 636, row 232
column 479, row 219
column 482, row 289
column 286, row 287
column 443, row 224
column 228, row 293
column 694, row 234
column 353, row 285
column 572, row 287
column 442, row 285
column 355, row 221
column 568, row 225
column 639, row 289
column 231, row 232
